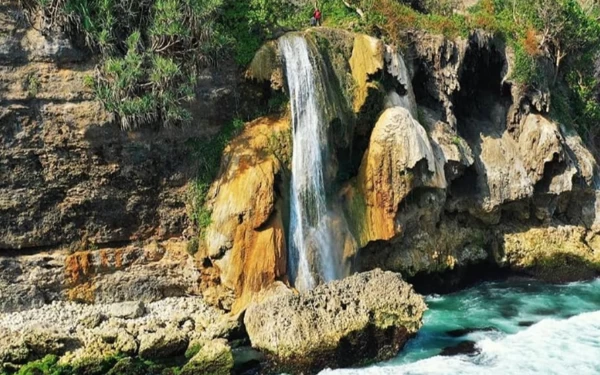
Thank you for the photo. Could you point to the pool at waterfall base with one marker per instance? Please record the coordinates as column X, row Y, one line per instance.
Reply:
column 515, row 326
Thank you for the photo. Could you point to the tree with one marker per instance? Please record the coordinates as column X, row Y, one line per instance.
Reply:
column 567, row 30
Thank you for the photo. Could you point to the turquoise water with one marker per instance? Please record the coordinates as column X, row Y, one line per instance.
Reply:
column 518, row 327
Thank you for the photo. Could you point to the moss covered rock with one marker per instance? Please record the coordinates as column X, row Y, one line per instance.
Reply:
column 557, row 254
column 213, row 358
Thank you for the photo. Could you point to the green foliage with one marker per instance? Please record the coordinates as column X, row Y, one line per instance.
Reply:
column 192, row 350
column 49, row 366
column 112, row 365
column 32, row 85
column 355, row 209
column 526, row 67
column 247, row 24
column 151, row 52
column 584, row 101
column 280, row 146
column 45, row 366
column 278, row 102
column 207, row 153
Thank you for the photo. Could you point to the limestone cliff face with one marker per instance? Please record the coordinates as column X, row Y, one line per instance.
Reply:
column 71, row 178
column 451, row 164
column 438, row 161
column 67, row 171
column 486, row 174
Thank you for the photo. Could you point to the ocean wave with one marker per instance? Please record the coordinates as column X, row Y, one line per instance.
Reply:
column 569, row 346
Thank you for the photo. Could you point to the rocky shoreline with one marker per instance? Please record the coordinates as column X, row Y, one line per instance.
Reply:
column 365, row 318
column 84, row 337
column 442, row 164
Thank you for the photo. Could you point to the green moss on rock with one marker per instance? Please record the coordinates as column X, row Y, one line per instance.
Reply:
column 213, row 358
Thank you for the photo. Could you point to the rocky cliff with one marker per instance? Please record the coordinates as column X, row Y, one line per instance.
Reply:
column 72, row 181
column 68, row 171
column 441, row 162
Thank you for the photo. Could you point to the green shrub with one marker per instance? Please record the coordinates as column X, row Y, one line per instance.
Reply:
column 151, row 52
column 45, row 366
column 207, row 153
column 192, row 350
column 32, row 85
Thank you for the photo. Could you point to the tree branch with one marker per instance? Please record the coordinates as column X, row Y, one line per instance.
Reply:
column 356, row 9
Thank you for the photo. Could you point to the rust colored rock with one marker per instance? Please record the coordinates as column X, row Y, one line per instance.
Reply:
column 246, row 239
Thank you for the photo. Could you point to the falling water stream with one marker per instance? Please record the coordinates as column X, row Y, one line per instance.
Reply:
column 312, row 258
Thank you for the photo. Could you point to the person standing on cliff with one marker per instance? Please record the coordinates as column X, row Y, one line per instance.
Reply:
column 317, row 16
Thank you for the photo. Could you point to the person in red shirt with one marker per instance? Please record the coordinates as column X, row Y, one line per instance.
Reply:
column 317, row 16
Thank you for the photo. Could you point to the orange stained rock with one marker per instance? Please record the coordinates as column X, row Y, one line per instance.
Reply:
column 246, row 239
column 399, row 148
column 119, row 258
column 85, row 293
column 78, row 267
column 261, row 258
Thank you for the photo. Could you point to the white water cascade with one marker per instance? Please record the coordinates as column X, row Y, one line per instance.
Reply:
column 312, row 257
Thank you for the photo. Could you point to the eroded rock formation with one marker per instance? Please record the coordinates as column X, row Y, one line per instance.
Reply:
column 246, row 238
column 363, row 318
column 451, row 162
column 85, row 336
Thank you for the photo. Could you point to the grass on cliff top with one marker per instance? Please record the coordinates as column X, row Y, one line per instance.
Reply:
column 555, row 42
column 153, row 51
column 556, row 45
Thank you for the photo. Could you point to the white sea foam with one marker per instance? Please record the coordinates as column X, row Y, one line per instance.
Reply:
column 561, row 347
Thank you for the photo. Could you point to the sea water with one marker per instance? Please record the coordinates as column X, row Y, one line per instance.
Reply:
column 518, row 326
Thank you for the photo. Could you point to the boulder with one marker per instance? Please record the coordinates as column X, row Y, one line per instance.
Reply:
column 366, row 317
column 214, row 358
column 556, row 254
column 165, row 343
column 127, row 310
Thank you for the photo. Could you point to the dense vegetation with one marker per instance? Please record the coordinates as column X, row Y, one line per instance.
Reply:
column 152, row 50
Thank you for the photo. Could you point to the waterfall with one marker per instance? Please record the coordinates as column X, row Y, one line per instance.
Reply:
column 312, row 257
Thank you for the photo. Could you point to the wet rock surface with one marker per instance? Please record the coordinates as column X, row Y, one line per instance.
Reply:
column 463, row 348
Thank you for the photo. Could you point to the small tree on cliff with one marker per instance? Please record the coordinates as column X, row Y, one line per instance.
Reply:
column 567, row 30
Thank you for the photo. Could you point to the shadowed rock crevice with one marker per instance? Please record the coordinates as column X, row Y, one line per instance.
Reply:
column 483, row 95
